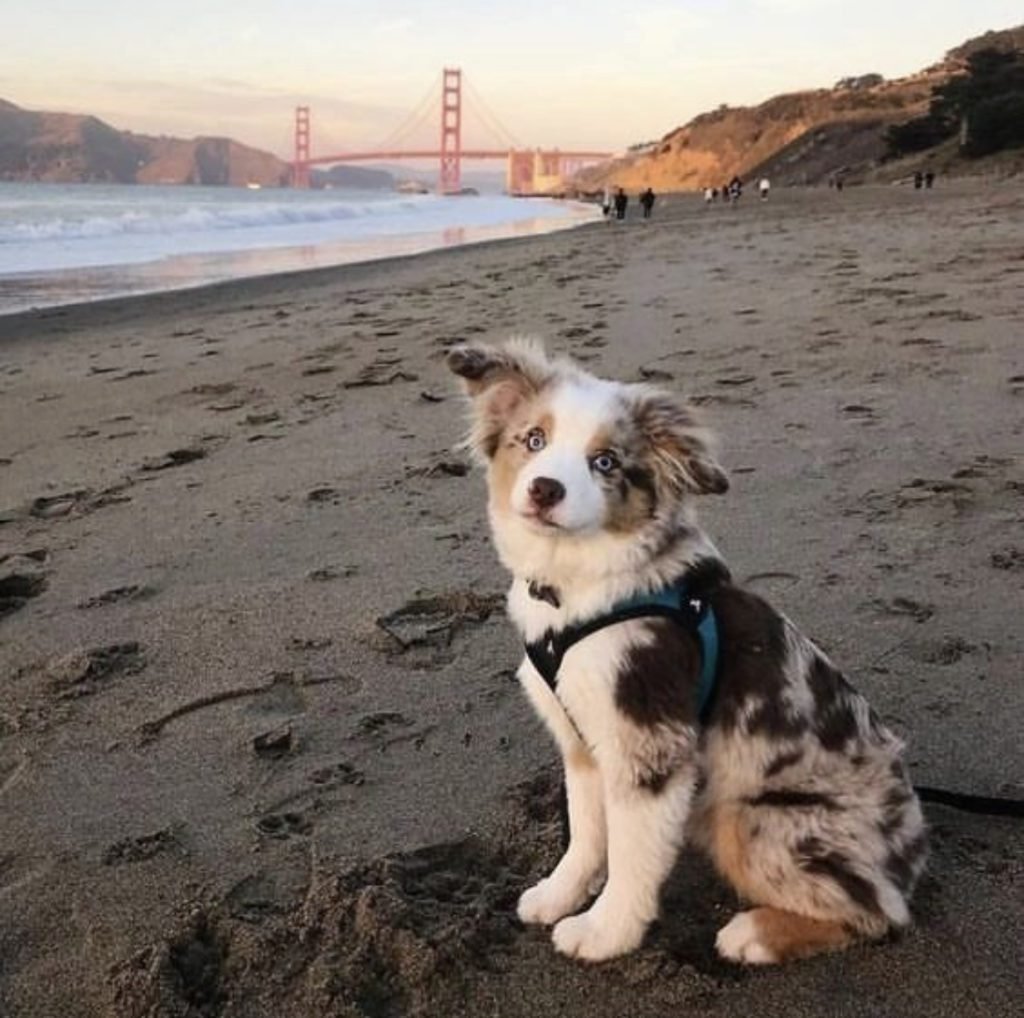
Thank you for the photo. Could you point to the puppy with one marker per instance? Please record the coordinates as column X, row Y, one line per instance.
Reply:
column 683, row 705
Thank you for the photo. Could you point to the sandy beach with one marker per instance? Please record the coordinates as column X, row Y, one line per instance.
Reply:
column 261, row 752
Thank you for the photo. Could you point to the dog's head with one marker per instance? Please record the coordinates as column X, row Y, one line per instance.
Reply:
column 569, row 454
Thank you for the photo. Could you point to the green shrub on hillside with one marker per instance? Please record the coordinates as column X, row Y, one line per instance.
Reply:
column 985, row 106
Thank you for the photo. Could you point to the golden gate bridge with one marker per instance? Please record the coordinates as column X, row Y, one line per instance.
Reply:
column 528, row 171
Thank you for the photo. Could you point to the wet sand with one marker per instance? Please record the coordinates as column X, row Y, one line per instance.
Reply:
column 261, row 754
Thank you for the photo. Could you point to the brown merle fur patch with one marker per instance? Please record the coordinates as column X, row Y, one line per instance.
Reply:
column 834, row 719
column 630, row 491
column 656, row 690
column 787, row 936
column 904, row 865
column 730, row 839
column 752, row 655
column 511, row 454
column 818, row 859
column 783, row 761
column 657, row 682
column 680, row 449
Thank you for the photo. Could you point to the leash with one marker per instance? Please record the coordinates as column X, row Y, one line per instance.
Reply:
column 983, row 805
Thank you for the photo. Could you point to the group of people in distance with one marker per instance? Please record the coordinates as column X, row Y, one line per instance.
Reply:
column 614, row 205
column 732, row 191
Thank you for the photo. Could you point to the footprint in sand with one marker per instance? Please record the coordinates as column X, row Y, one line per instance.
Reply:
column 322, row 496
column 947, row 651
column 1010, row 559
column 21, row 579
column 131, row 592
column 86, row 672
column 285, row 825
column 175, row 458
column 141, row 848
column 274, row 744
column 905, row 606
column 383, row 371
column 48, row 507
column 432, row 623
column 336, row 776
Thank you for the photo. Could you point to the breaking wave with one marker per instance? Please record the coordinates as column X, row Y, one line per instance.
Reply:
column 207, row 219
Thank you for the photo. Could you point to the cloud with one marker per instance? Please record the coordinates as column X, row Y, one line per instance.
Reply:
column 394, row 26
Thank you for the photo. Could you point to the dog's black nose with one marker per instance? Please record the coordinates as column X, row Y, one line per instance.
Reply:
column 546, row 492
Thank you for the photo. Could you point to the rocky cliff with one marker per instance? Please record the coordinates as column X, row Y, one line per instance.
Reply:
column 802, row 137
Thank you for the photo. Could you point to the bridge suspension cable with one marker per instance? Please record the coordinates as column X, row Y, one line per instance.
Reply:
column 413, row 121
column 489, row 119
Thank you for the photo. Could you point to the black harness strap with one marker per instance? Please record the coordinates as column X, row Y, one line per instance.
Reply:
column 693, row 614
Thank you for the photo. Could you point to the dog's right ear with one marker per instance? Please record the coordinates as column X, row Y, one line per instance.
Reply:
column 498, row 381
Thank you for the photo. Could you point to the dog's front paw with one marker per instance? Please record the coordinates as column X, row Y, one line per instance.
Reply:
column 545, row 903
column 740, row 940
column 589, row 938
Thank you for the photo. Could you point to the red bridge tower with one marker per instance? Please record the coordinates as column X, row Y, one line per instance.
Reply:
column 450, row 179
column 300, row 166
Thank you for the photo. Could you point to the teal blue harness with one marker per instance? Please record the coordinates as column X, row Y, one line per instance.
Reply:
column 693, row 613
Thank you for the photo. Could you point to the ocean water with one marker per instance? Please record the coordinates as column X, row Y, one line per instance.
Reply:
column 65, row 243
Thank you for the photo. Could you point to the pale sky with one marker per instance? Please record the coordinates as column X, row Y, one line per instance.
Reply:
column 567, row 73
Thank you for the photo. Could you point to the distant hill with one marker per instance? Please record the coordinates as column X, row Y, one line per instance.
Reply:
column 797, row 138
column 72, row 148
column 354, row 176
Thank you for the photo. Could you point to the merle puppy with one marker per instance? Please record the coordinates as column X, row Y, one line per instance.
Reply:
column 683, row 705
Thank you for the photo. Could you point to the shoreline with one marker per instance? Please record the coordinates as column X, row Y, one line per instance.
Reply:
column 259, row 744
column 196, row 270
column 352, row 270
column 680, row 206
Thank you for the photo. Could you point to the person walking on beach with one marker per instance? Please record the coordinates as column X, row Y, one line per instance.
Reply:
column 735, row 189
column 606, row 203
column 647, row 202
column 621, row 201
column 764, row 185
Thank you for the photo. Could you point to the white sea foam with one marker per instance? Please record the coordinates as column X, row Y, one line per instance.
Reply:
column 71, row 242
column 78, row 225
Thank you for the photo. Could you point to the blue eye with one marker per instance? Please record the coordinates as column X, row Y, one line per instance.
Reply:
column 535, row 440
column 604, row 462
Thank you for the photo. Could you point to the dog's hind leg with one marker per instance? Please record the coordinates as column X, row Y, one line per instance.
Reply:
column 817, row 892
column 764, row 936
column 572, row 880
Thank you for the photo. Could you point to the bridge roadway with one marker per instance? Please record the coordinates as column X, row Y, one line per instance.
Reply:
column 466, row 153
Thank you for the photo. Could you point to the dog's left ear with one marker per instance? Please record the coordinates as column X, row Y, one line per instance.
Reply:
column 681, row 449
column 498, row 380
